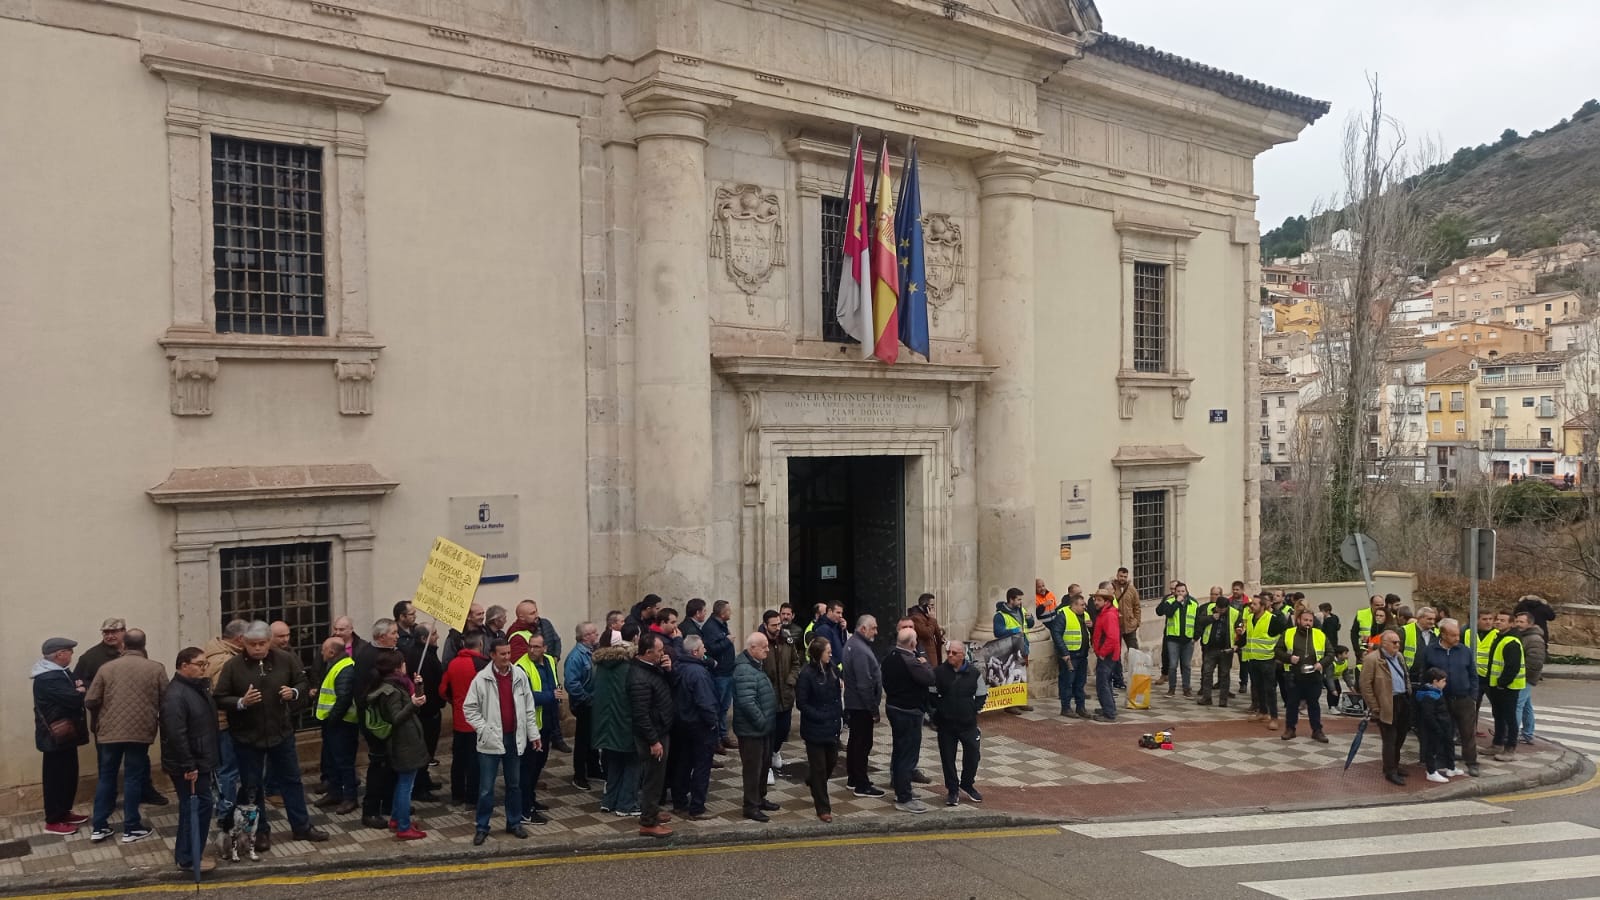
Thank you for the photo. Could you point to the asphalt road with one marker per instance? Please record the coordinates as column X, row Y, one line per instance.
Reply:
column 1544, row 846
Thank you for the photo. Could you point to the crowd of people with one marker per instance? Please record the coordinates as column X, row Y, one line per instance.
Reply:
column 656, row 700
column 1411, row 672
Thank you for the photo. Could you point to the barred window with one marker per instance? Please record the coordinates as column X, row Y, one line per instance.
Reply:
column 1150, row 543
column 282, row 581
column 1150, row 317
column 834, row 212
column 266, row 207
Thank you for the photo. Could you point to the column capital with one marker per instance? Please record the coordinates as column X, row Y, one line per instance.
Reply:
column 1002, row 174
column 667, row 110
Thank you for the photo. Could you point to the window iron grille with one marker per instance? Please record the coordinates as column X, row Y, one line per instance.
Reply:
column 288, row 582
column 1150, row 317
column 1150, row 543
column 267, row 227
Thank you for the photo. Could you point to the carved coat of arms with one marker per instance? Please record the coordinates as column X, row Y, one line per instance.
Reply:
column 747, row 234
column 941, row 259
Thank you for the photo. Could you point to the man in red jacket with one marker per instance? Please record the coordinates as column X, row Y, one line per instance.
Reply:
column 453, row 689
column 1106, row 640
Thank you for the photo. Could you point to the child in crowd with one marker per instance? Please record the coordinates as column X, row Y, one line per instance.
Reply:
column 1434, row 728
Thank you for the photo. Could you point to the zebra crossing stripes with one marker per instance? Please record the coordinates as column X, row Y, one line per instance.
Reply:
column 1455, row 853
column 1273, row 821
column 1380, row 845
column 1574, row 727
column 1405, row 881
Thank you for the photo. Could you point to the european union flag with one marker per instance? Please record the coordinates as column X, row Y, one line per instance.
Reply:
column 908, row 251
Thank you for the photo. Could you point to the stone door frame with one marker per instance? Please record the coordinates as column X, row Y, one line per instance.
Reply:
column 936, row 446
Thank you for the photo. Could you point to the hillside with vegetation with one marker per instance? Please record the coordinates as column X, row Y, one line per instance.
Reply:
column 1535, row 191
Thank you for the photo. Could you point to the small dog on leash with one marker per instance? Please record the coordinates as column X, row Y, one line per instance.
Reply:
column 243, row 832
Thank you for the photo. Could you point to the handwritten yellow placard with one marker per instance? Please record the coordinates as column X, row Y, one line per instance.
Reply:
column 449, row 581
column 1004, row 695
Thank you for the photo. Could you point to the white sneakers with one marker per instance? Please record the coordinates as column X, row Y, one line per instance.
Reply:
column 777, row 760
column 1438, row 777
column 771, row 779
column 1456, row 773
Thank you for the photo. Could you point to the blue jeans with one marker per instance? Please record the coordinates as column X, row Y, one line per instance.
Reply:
column 401, row 805
column 1107, row 673
column 188, row 821
column 339, row 744
column 1180, row 652
column 115, row 756
column 905, row 728
column 1076, row 679
column 1525, row 711
column 281, row 763
column 490, row 765
column 724, row 701
column 227, row 779
column 622, row 781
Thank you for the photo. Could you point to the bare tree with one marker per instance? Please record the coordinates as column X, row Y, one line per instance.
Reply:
column 1366, row 243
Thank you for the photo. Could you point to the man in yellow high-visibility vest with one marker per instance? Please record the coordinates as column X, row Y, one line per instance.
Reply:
column 547, row 697
column 336, row 711
column 1506, row 679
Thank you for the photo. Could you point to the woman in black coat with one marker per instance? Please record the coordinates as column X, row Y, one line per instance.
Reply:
column 820, row 700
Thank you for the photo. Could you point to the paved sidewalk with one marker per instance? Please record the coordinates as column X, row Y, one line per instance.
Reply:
column 1036, row 767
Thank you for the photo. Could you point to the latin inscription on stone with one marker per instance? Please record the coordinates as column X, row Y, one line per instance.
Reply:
column 885, row 408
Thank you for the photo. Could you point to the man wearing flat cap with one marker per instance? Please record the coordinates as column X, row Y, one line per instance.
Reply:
column 112, row 632
column 59, row 729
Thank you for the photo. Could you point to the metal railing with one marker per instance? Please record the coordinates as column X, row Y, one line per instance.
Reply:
column 1520, row 380
column 1458, row 405
column 1503, row 443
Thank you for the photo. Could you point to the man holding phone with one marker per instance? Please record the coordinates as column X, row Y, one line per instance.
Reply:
column 261, row 689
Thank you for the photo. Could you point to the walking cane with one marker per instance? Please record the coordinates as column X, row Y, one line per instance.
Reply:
column 196, row 832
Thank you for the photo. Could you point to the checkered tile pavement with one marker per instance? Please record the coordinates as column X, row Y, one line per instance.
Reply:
column 1269, row 753
column 1006, row 762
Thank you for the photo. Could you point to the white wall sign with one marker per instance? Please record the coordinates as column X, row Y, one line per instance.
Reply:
column 488, row 527
column 1074, row 511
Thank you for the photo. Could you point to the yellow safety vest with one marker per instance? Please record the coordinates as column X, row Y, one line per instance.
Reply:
column 1233, row 622
column 1072, row 631
column 1012, row 622
column 1319, row 643
column 1181, row 624
column 1364, row 623
column 536, row 681
column 805, row 636
column 1497, row 662
column 1485, row 647
column 1339, row 668
column 325, row 694
column 1408, row 640
column 1259, row 643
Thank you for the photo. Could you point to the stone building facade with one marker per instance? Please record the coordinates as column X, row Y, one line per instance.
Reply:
column 333, row 275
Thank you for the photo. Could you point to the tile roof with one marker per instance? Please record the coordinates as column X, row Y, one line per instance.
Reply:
column 1228, row 84
column 1459, row 375
column 1526, row 359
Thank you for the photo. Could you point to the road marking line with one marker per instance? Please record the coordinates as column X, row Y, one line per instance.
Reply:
column 1574, row 710
column 1542, row 716
column 1405, row 881
column 484, row 865
column 1589, row 785
column 1357, row 848
column 1272, row 821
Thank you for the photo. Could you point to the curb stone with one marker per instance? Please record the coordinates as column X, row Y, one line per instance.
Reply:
column 1569, row 764
column 1574, row 673
column 563, row 847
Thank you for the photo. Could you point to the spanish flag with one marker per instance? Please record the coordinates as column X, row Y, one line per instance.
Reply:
column 885, row 271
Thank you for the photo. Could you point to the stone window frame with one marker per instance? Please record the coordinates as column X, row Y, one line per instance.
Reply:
column 339, row 97
column 1148, row 237
column 1151, row 468
column 251, row 506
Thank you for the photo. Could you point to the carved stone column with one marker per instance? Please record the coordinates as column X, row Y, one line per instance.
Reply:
column 672, row 419
column 1005, row 447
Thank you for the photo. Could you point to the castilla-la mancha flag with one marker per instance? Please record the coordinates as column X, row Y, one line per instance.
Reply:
column 853, row 307
column 885, row 271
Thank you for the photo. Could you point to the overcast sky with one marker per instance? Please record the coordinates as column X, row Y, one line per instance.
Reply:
column 1460, row 71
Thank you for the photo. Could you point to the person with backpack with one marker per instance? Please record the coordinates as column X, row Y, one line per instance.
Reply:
column 391, row 716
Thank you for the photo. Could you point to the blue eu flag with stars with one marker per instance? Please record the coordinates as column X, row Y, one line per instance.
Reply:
column 908, row 250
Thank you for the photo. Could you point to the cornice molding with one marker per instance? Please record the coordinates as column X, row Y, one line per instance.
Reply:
column 338, row 86
column 749, row 371
column 218, row 485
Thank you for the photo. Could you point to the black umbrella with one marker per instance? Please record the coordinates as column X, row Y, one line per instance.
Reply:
column 1355, row 745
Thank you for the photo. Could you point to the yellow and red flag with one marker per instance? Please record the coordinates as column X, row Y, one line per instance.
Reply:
column 885, row 272
column 853, row 309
